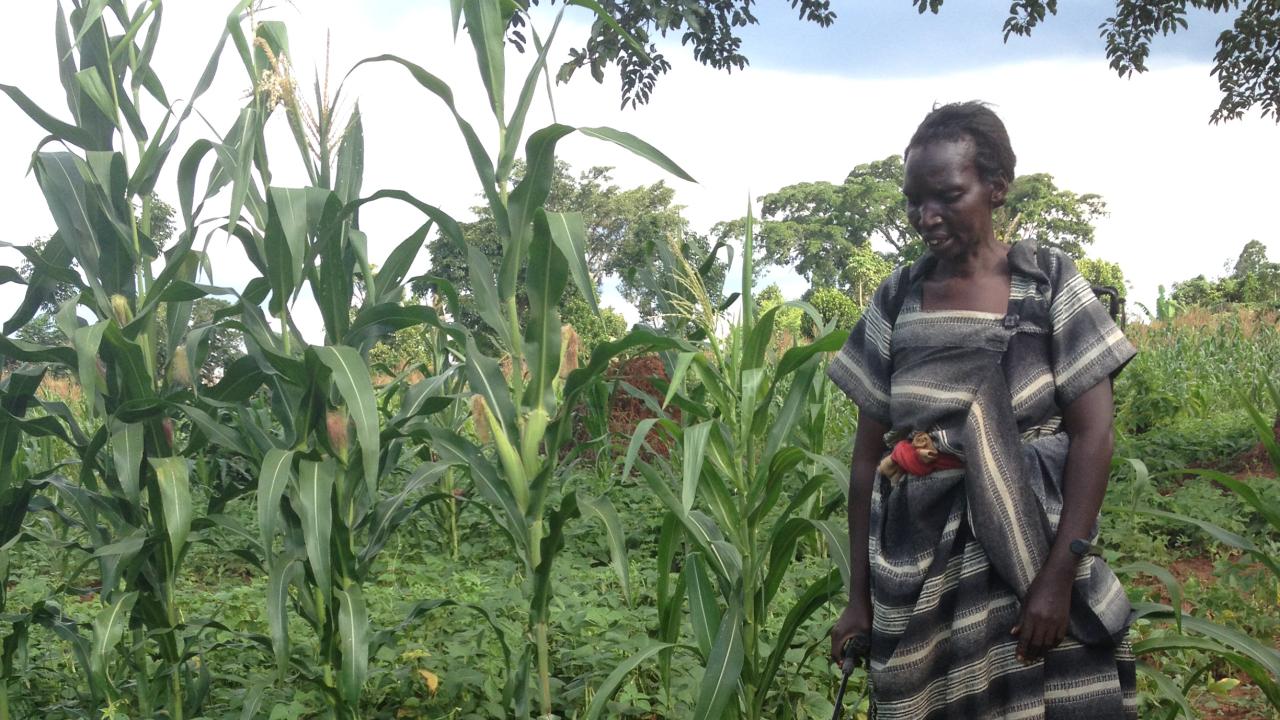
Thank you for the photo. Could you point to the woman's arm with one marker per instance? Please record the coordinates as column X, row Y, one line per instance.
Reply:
column 868, row 447
column 1088, row 421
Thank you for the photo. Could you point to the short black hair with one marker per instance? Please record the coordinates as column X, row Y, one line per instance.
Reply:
column 993, row 154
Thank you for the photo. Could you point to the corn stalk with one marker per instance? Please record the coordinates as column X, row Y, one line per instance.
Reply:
column 748, row 465
column 129, row 496
column 527, row 412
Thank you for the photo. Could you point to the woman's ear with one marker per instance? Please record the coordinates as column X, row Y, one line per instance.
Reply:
column 999, row 188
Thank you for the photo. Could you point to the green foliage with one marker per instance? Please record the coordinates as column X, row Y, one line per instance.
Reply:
column 626, row 33
column 204, row 515
column 1035, row 208
column 1254, row 281
column 1189, row 369
column 1245, row 62
column 787, row 320
column 826, row 232
column 1102, row 273
column 750, row 427
column 593, row 328
column 835, row 306
column 621, row 227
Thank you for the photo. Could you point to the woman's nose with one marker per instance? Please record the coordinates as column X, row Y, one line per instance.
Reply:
column 929, row 215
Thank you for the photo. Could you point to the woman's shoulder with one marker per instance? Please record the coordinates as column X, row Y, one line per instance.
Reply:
column 1042, row 262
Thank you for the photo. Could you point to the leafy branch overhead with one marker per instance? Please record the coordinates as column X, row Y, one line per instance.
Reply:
column 711, row 27
column 1246, row 63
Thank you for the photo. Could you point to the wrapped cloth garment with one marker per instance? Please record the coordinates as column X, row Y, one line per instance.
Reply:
column 953, row 551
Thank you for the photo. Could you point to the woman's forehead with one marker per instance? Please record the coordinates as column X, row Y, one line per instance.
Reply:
column 940, row 159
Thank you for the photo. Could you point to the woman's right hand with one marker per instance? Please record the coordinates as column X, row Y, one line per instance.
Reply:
column 854, row 621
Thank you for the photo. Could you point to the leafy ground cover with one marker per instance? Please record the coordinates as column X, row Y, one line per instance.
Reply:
column 499, row 522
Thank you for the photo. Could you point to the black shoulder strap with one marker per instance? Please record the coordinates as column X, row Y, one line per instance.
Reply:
column 901, row 287
column 1044, row 260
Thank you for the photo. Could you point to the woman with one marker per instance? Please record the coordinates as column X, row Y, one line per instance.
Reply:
column 985, row 368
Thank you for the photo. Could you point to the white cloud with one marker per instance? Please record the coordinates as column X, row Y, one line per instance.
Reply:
column 1184, row 196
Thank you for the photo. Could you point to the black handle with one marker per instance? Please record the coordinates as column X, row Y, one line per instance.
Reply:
column 855, row 648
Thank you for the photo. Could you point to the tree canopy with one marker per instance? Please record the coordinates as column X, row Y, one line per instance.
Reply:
column 1035, row 208
column 709, row 27
column 828, row 232
column 1246, row 62
column 1254, row 280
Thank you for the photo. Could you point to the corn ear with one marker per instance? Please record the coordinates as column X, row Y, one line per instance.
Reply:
column 516, row 476
column 120, row 310
column 180, row 368
column 535, row 429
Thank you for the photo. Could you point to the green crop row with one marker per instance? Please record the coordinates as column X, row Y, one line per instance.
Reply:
column 301, row 469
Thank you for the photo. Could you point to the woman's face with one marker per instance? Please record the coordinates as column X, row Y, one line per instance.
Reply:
column 948, row 202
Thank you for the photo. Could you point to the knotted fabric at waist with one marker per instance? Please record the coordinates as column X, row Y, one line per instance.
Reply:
column 916, row 456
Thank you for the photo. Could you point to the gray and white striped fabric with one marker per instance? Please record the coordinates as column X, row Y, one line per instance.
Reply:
column 952, row 552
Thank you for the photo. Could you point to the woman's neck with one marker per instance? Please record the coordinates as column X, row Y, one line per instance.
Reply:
column 989, row 258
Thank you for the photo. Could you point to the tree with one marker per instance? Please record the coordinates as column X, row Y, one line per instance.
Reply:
column 710, row 26
column 1199, row 291
column 1036, row 209
column 592, row 328
column 827, row 232
column 1254, row 280
column 786, row 320
column 1247, row 62
column 1102, row 273
column 834, row 306
column 1252, row 260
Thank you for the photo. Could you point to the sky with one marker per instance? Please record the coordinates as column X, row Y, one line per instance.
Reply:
column 1184, row 196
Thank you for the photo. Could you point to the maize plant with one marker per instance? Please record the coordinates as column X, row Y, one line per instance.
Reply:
column 132, row 348
column 527, row 413
column 747, row 466
column 326, row 446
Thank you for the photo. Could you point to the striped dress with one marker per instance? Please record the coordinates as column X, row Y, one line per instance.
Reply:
column 951, row 553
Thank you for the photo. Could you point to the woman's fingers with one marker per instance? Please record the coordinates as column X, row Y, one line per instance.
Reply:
column 1036, row 638
column 837, row 646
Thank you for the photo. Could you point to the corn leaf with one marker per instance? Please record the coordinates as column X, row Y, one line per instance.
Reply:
column 353, row 632
column 108, row 628
column 486, row 27
column 273, row 478
column 173, row 481
column 719, row 684
column 479, row 156
column 704, row 612
column 352, row 377
column 284, row 571
column 607, row 689
column 126, row 449
column 570, row 235
column 59, row 129
column 615, row 536
column 695, row 446
column 545, row 282
column 315, row 507
column 639, row 147
column 527, row 197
